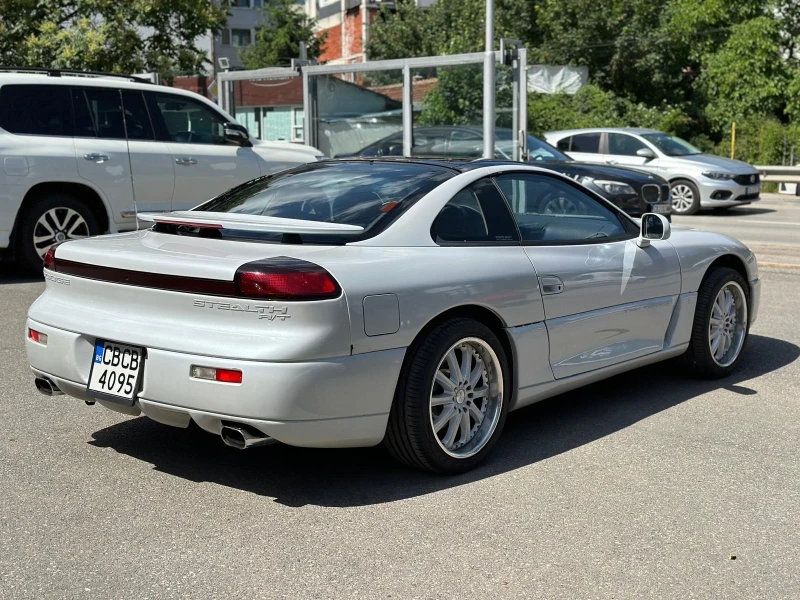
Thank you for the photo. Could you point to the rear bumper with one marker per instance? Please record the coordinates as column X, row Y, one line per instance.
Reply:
column 324, row 403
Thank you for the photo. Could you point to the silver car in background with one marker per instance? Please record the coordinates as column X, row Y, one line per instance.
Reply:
column 698, row 180
column 345, row 303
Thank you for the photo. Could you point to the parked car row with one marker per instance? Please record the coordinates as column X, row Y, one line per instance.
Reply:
column 82, row 154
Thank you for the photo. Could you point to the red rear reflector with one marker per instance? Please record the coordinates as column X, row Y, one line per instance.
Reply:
column 229, row 376
column 285, row 279
column 212, row 374
column 50, row 258
column 37, row 336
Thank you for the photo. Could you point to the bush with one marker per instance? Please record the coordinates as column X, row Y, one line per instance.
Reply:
column 760, row 141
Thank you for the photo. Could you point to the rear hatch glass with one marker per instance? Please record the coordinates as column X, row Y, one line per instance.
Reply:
column 365, row 194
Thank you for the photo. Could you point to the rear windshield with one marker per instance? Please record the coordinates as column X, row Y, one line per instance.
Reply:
column 366, row 194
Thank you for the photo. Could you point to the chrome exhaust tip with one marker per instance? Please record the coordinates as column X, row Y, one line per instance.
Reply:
column 47, row 387
column 242, row 437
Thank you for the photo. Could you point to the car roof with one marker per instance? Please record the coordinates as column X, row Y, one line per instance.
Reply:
column 460, row 165
column 119, row 82
column 636, row 130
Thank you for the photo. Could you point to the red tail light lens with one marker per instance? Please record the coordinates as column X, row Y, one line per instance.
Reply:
column 50, row 259
column 285, row 278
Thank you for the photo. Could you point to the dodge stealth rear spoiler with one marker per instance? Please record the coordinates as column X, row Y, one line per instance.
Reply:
column 245, row 222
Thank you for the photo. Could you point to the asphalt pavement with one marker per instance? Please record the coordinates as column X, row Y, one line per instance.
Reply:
column 647, row 485
column 771, row 227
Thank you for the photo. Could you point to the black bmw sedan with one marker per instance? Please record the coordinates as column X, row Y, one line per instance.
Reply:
column 636, row 192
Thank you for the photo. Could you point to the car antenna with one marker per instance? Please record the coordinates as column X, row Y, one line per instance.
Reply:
column 130, row 164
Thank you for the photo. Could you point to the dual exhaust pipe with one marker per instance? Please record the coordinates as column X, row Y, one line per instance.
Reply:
column 235, row 435
column 242, row 437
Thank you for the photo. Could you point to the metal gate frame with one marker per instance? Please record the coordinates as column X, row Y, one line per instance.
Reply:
column 515, row 56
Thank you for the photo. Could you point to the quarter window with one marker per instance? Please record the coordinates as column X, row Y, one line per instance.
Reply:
column 551, row 211
column 35, row 110
column 189, row 121
column 476, row 214
column 622, row 144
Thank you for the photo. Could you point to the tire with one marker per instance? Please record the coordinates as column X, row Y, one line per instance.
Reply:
column 410, row 435
column 65, row 216
column 685, row 197
column 700, row 356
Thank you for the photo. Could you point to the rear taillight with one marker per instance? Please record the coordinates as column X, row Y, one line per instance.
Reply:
column 50, row 259
column 285, row 278
column 213, row 374
column 38, row 337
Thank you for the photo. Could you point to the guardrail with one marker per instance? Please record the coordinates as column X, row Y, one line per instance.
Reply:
column 779, row 174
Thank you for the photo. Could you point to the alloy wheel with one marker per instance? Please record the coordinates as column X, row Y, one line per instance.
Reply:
column 682, row 198
column 560, row 206
column 727, row 327
column 466, row 398
column 58, row 225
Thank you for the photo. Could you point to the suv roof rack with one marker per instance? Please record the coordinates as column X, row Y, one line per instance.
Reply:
column 75, row 72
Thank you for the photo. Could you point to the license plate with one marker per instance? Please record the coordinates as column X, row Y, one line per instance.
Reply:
column 662, row 209
column 116, row 372
column 753, row 189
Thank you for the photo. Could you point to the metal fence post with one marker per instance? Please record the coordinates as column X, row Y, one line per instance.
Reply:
column 489, row 84
column 408, row 112
column 522, row 67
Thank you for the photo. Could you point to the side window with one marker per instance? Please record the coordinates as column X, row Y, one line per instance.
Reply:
column 189, row 121
column 137, row 119
column 476, row 214
column 623, row 144
column 586, row 142
column 35, row 109
column 105, row 113
column 392, row 147
column 564, row 145
column 551, row 211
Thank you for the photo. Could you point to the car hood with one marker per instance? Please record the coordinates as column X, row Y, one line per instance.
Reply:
column 718, row 162
column 599, row 171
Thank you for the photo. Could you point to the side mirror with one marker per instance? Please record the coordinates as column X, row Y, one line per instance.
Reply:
column 237, row 135
column 646, row 153
column 654, row 227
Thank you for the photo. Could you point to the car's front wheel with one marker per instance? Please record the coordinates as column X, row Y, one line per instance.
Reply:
column 451, row 400
column 721, row 324
column 685, row 197
column 49, row 220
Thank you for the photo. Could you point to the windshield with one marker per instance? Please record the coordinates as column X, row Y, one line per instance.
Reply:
column 670, row 144
column 351, row 193
column 538, row 149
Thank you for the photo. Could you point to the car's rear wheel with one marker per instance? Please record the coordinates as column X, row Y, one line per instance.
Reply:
column 451, row 400
column 49, row 220
column 685, row 197
column 721, row 324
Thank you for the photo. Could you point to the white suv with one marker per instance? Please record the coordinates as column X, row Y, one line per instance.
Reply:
column 77, row 150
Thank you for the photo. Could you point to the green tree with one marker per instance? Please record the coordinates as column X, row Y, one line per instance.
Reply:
column 284, row 26
column 748, row 75
column 107, row 35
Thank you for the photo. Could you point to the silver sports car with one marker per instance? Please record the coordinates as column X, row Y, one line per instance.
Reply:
column 413, row 302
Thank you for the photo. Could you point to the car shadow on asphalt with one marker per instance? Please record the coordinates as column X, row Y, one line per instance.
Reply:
column 363, row 476
column 737, row 211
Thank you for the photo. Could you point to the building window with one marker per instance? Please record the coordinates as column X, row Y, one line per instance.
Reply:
column 243, row 3
column 240, row 37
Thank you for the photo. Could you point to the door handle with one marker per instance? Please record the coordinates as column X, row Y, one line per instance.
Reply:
column 96, row 157
column 186, row 160
column 551, row 284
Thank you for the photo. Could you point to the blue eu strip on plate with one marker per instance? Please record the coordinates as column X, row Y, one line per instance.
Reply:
column 98, row 352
